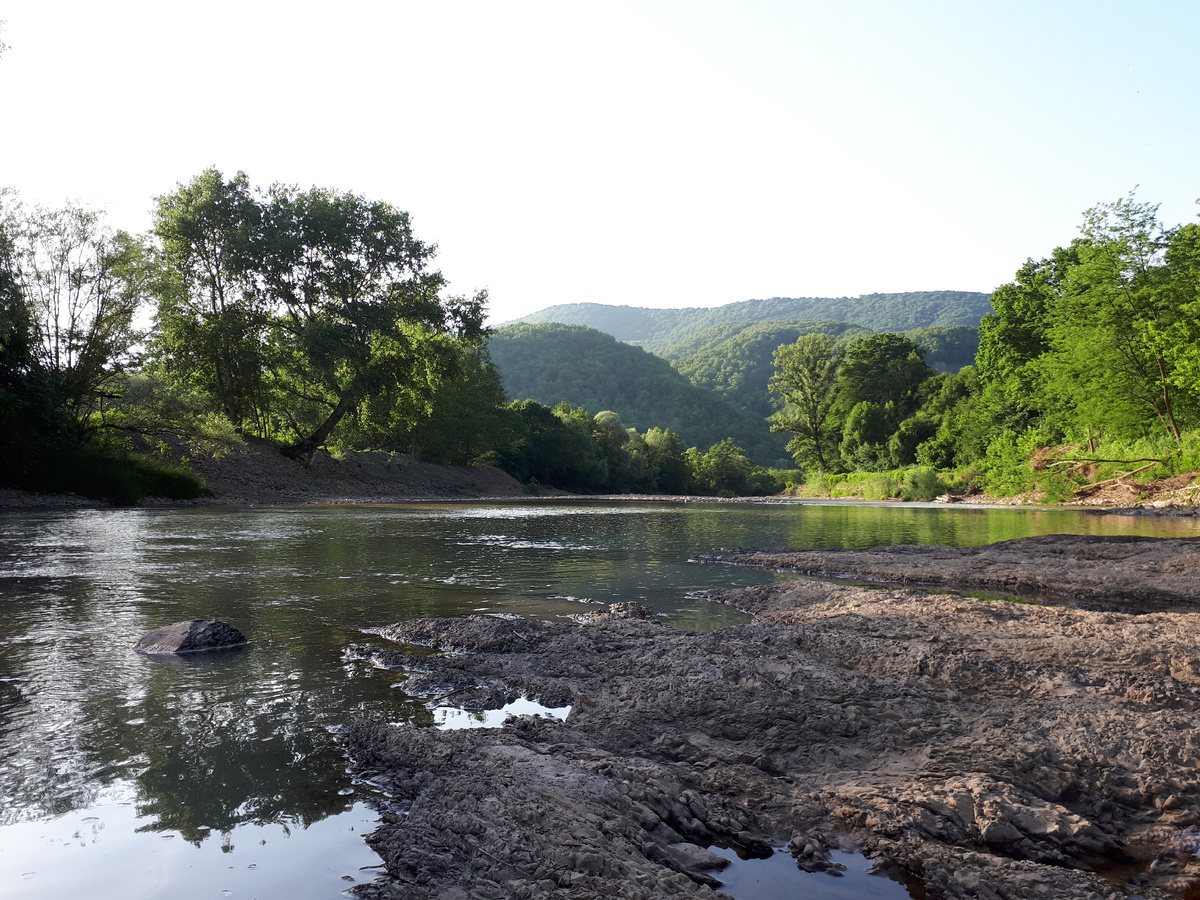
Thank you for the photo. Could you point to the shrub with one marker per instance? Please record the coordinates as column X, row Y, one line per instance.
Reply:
column 921, row 484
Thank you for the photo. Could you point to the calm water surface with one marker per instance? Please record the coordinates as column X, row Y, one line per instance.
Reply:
column 218, row 774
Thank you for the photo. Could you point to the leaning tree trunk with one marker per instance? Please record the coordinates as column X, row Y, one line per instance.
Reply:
column 304, row 448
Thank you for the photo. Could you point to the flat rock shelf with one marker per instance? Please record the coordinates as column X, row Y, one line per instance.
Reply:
column 977, row 748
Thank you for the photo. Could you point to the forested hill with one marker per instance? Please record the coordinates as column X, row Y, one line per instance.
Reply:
column 660, row 329
column 552, row 363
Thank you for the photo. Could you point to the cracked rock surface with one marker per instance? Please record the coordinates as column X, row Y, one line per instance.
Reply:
column 986, row 749
column 1080, row 568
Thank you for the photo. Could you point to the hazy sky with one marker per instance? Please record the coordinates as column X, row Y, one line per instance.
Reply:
column 651, row 153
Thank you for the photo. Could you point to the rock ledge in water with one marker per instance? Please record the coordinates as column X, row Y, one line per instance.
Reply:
column 189, row 637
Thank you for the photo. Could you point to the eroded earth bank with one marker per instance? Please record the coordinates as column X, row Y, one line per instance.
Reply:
column 988, row 749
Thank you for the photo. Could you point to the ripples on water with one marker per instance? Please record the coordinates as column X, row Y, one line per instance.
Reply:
column 212, row 755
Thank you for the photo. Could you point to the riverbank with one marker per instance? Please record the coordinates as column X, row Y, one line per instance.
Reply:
column 257, row 474
column 988, row 749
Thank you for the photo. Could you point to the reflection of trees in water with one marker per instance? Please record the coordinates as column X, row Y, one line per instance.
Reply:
column 232, row 738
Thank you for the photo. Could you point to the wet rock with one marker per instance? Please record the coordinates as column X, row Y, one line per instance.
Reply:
column 987, row 749
column 1129, row 570
column 190, row 637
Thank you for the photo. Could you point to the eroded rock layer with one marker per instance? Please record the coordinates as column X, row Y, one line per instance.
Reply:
column 987, row 749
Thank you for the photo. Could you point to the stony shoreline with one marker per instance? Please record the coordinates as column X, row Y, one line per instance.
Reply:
column 987, row 749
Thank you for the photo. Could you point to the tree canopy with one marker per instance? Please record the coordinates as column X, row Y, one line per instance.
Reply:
column 292, row 308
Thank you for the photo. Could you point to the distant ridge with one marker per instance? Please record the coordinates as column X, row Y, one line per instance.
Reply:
column 661, row 329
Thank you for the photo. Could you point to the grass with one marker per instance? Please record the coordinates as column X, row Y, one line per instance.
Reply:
column 902, row 484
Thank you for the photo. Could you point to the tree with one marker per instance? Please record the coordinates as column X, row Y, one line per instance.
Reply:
column 295, row 309
column 1114, row 330
column 881, row 369
column 73, row 274
column 724, row 470
column 357, row 311
column 1181, row 339
column 465, row 423
column 807, row 379
column 665, row 453
column 24, row 416
column 211, row 320
column 1017, row 331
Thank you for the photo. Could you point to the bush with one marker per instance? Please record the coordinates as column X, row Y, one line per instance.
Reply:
column 878, row 486
column 921, row 484
column 816, row 484
column 104, row 474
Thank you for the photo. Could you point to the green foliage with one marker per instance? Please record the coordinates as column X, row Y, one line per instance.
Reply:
column 105, row 473
column 882, row 369
column 569, row 448
column 724, row 470
column 660, row 329
column 946, row 348
column 463, row 422
column 808, row 382
column 211, row 319
column 564, row 363
column 292, row 309
column 665, row 455
column 921, row 484
column 738, row 361
column 1116, row 331
column 70, row 285
column 144, row 403
column 1016, row 331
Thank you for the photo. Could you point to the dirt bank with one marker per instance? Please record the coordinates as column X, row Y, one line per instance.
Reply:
column 990, row 749
column 1131, row 572
column 258, row 473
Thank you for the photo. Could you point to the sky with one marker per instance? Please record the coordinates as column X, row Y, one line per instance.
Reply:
column 660, row 153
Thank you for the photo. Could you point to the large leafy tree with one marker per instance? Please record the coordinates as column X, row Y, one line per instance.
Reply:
column 358, row 311
column 211, row 320
column 807, row 379
column 292, row 309
column 72, row 278
column 882, row 369
column 1117, row 328
column 1017, row 331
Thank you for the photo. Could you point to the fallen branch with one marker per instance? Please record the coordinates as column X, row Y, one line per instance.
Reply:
column 1062, row 460
column 1088, row 487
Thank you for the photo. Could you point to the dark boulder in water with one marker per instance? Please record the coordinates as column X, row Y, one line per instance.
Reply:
column 190, row 637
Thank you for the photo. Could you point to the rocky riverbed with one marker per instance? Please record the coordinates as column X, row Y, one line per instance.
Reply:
column 984, row 748
column 1130, row 573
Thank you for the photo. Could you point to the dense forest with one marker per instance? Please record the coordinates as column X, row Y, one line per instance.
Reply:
column 658, row 330
column 315, row 319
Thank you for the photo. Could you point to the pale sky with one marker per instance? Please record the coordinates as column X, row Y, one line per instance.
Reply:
column 654, row 153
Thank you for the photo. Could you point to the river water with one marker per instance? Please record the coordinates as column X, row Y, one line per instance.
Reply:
column 219, row 774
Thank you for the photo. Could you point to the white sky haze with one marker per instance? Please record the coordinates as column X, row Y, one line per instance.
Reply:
column 655, row 153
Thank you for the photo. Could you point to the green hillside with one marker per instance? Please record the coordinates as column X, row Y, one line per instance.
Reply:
column 660, row 329
column 737, row 361
column 553, row 362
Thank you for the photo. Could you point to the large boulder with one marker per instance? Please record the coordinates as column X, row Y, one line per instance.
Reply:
column 189, row 637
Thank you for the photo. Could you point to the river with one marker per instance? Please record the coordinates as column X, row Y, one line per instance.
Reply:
column 220, row 774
